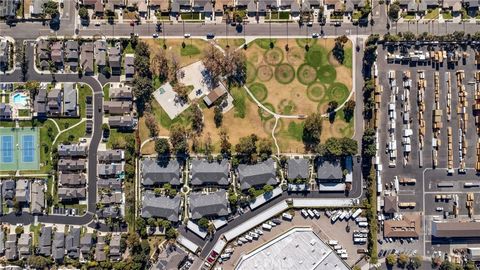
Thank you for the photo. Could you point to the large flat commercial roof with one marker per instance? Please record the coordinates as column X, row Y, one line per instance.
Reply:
column 298, row 249
column 322, row 202
column 456, row 229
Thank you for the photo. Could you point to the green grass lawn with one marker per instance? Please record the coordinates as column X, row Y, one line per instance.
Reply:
column 163, row 118
column 192, row 16
column 23, row 112
column 64, row 123
column 432, row 14
column 83, row 91
column 128, row 49
column 447, row 15
column 36, row 233
column 72, row 135
column 189, row 50
column 118, row 139
column 407, row 16
column 264, row 43
column 239, row 104
column 317, row 56
column 106, row 92
column 347, row 61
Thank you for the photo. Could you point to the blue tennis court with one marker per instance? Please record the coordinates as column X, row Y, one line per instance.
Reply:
column 19, row 149
column 7, row 149
column 28, row 148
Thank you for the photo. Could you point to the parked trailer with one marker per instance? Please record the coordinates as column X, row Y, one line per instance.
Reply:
column 287, row 216
column 360, row 240
column 343, row 215
column 310, row 213
column 471, row 184
column 361, row 219
column 342, row 251
column 337, row 247
column 335, row 217
column 356, row 213
column 332, row 242
column 363, row 224
column 344, row 256
column 445, row 185
column 406, row 204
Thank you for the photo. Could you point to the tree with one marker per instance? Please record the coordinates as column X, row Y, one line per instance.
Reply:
column 142, row 90
column 174, row 68
column 162, row 147
column 50, row 9
column 225, row 145
column 234, row 66
column 178, row 138
column 19, row 230
column 469, row 266
column 267, row 188
column 159, row 65
column 203, row 223
column 409, row 36
column 402, row 260
column 368, row 143
column 182, row 91
column 212, row 60
column 252, row 192
column 218, row 116
column 196, row 119
column 171, row 233
column 415, row 262
column 312, row 131
column 246, row 148
column 151, row 124
column 393, row 11
column 349, row 146
column 83, row 13
column 264, row 148
column 32, row 87
column 38, row 262
column 338, row 50
column 349, row 110
column 391, row 259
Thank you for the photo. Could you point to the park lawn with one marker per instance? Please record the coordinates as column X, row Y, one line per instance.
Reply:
column 192, row 52
column 432, row 14
column 72, row 135
column 64, row 123
column 117, row 139
column 35, row 229
column 347, row 62
column 289, row 135
column 106, row 92
column 233, row 42
column 84, row 90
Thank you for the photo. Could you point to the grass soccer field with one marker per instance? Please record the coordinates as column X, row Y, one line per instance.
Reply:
column 19, row 149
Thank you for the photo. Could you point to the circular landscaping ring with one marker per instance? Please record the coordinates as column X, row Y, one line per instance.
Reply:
column 264, row 115
column 259, row 91
column 287, row 107
column 284, row 73
column 338, row 92
column 316, row 92
column 296, row 56
column 264, row 73
column 327, row 74
column 306, row 74
column 274, row 56
column 316, row 56
column 251, row 73
column 270, row 123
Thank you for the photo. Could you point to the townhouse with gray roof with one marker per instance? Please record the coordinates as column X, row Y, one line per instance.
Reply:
column 205, row 173
column 8, row 8
column 71, row 179
column 71, row 194
column 70, row 100
column 86, row 58
column 122, row 122
column 24, row 245
column 22, row 191
column 110, row 170
column 117, row 107
column 11, row 252
column 115, row 252
column 2, row 242
column 110, row 198
column 129, row 67
column 214, row 204
column 72, row 150
column 112, row 211
column 111, row 156
column 37, row 204
column 71, row 165
column 71, row 54
column 54, row 102
column 114, row 184
column 161, row 207
column 56, row 54
column 86, row 243
column 5, row 111
column 159, row 172
column 72, row 243
column 58, row 246
column 100, row 254
column 45, row 241
column 115, row 58
column 40, row 103
column 298, row 169
column 329, row 171
column 8, row 192
column 257, row 175
column 4, row 53
column 100, row 53
column 121, row 93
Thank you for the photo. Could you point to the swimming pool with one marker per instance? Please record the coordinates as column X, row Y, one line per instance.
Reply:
column 20, row 99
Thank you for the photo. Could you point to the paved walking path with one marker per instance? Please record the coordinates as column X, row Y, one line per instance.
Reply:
column 67, row 129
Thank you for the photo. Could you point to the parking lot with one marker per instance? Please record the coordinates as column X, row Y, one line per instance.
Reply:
column 322, row 227
column 434, row 102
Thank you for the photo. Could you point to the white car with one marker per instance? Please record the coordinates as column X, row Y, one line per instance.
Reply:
column 315, row 35
column 439, row 209
column 186, row 35
column 155, row 35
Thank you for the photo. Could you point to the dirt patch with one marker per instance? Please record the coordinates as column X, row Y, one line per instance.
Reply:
column 296, row 56
column 332, row 60
column 174, row 46
column 148, row 148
